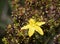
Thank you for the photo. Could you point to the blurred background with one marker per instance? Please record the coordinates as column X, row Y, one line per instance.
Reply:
column 4, row 17
column 52, row 28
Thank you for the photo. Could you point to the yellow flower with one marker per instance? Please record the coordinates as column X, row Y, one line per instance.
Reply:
column 34, row 26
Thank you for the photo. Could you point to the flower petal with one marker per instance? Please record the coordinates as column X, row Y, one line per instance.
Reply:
column 39, row 30
column 31, row 21
column 40, row 23
column 31, row 31
column 25, row 27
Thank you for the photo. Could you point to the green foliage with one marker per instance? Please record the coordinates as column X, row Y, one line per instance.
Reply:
column 2, row 2
column 5, row 40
